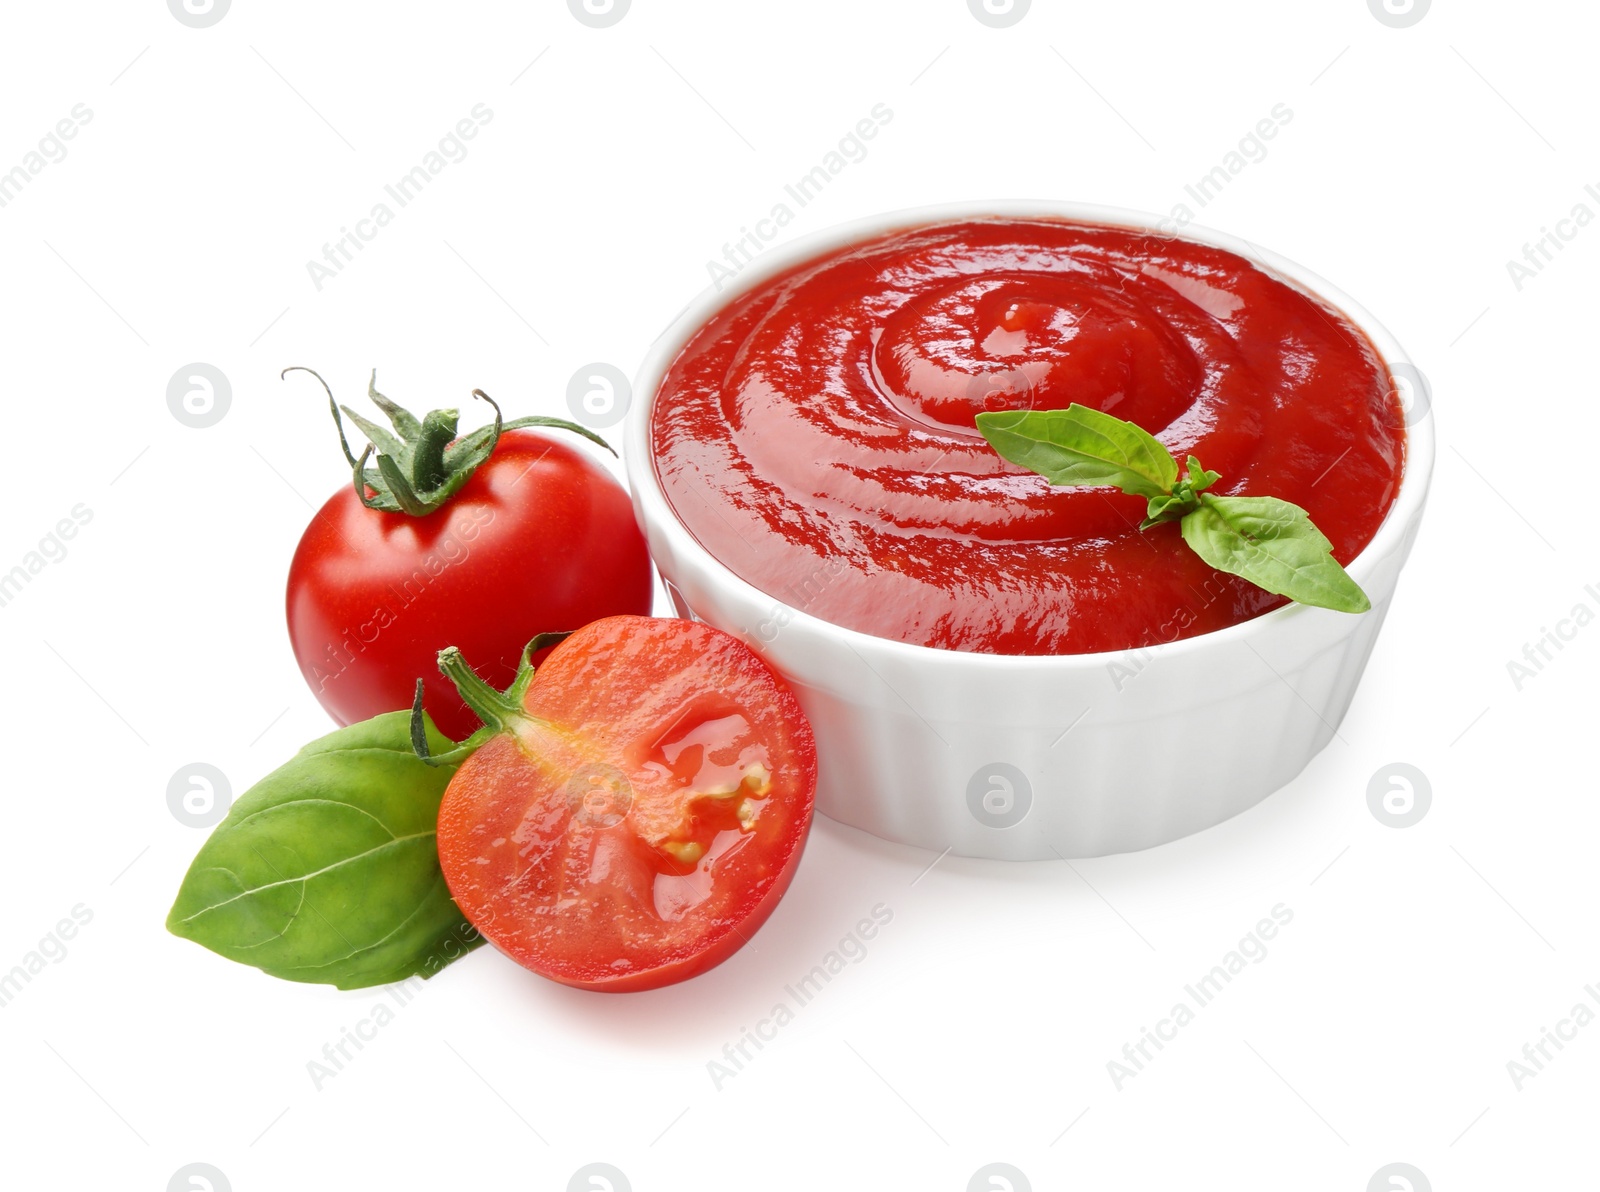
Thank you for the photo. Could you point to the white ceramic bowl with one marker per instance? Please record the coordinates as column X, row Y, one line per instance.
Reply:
column 1039, row 757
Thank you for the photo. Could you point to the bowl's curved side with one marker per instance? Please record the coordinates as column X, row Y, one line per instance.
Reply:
column 1142, row 748
column 1039, row 757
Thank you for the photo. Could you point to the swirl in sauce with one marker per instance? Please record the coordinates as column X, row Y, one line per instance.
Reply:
column 817, row 435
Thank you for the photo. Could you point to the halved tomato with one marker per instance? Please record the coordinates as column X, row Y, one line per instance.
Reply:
column 637, row 808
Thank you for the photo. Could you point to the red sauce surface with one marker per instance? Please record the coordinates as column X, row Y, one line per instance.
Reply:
column 817, row 435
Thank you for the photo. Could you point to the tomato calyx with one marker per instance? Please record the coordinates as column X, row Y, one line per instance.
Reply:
column 422, row 463
column 500, row 711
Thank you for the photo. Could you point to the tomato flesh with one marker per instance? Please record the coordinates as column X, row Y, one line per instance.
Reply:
column 644, row 817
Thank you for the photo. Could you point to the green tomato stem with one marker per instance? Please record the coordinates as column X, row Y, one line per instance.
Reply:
column 427, row 459
column 423, row 463
column 496, row 709
column 500, row 711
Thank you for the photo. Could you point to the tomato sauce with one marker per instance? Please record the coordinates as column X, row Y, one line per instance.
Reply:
column 817, row 435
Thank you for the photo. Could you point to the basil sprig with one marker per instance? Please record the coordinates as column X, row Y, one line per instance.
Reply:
column 1271, row 543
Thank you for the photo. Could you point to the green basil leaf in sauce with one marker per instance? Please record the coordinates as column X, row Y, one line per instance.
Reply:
column 1275, row 546
column 1267, row 541
column 1080, row 446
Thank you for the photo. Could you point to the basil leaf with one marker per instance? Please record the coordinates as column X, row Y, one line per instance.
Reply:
column 1274, row 545
column 1199, row 478
column 327, row 870
column 1082, row 446
column 1171, row 507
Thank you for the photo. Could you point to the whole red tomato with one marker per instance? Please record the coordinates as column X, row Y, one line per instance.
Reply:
column 534, row 537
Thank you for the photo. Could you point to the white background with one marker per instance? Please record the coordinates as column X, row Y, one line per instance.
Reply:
column 978, row 1027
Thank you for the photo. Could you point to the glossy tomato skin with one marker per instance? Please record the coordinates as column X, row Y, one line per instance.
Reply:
column 540, row 539
column 587, row 895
